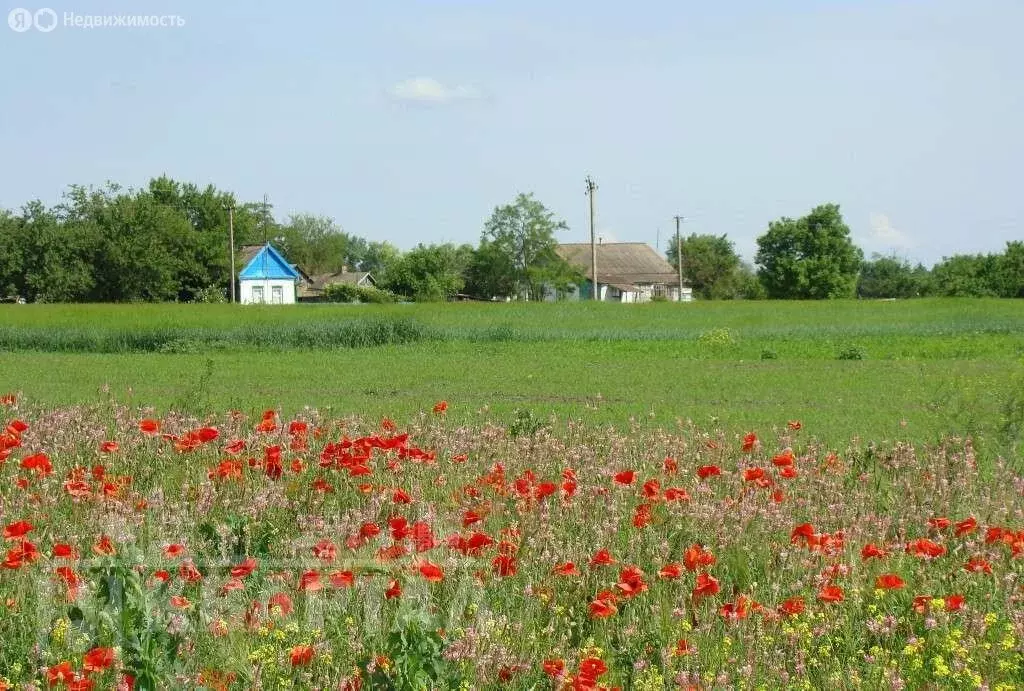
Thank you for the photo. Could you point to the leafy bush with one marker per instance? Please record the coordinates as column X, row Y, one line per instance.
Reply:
column 851, row 352
column 718, row 338
column 346, row 292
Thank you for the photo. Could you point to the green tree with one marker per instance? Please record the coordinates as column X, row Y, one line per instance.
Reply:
column 966, row 275
column 748, row 285
column 710, row 265
column 429, row 273
column 378, row 258
column 810, row 257
column 317, row 244
column 888, row 277
column 517, row 251
column 1009, row 280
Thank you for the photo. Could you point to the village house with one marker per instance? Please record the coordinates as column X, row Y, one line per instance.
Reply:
column 626, row 272
column 266, row 277
column 311, row 289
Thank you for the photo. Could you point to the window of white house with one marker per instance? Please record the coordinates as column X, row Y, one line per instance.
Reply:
column 257, row 294
column 276, row 295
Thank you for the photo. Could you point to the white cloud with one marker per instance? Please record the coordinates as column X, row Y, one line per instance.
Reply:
column 883, row 234
column 429, row 90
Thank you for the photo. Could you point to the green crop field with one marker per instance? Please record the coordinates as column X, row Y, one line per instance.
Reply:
column 719, row 495
column 872, row 370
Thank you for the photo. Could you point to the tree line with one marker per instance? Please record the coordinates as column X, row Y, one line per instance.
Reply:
column 168, row 242
column 814, row 257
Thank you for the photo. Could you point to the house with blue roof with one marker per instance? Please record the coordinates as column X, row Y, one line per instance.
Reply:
column 266, row 277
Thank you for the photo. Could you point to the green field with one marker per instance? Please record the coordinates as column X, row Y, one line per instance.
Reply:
column 925, row 368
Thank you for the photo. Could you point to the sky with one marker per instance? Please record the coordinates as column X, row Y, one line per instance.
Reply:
column 411, row 121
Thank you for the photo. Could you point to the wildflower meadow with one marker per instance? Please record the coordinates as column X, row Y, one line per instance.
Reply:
column 240, row 551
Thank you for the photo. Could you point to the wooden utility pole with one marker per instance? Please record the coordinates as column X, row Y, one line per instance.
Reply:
column 231, row 253
column 591, row 188
column 679, row 257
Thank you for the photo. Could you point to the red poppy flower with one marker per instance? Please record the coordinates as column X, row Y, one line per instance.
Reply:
column 8, row 399
column 64, row 551
column 792, row 606
column 180, row 602
column 749, row 441
column 978, row 565
column 696, row 557
column 325, row 550
column 784, row 459
column 109, row 447
column 625, row 477
column 683, row 648
column 603, row 606
column 602, row 558
column 149, row 426
column 966, row 526
column 670, row 571
column 831, row 593
column 441, row 406
column 554, row 668
column 889, row 581
column 642, row 516
column 939, row 522
column 504, row 565
column 301, row 655
column 872, row 551
column 369, row 530
column 394, row 589
column 17, row 530
column 676, row 494
column 670, row 465
column 706, row 471
column 104, row 546
column 954, row 603
column 925, row 548
column 280, row 604
column 60, row 674
column 631, row 581
column 309, row 581
column 189, row 573
column 795, row 425
column 431, row 572
column 342, row 579
column 705, row 586
column 565, row 569
column 174, row 551
column 244, row 569
column 400, row 496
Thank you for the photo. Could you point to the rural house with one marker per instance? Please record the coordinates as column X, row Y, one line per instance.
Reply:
column 626, row 272
column 311, row 289
column 266, row 277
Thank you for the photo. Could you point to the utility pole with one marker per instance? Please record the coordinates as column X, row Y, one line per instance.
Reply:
column 679, row 257
column 591, row 188
column 230, row 206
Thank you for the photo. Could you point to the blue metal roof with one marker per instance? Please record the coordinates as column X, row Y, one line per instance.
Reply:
column 268, row 264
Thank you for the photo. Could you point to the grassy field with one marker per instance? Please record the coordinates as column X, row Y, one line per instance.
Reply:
column 706, row 496
column 917, row 369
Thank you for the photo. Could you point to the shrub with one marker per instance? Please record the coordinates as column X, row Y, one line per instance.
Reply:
column 346, row 292
column 851, row 352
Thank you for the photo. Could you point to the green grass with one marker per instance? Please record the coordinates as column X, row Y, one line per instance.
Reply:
column 928, row 368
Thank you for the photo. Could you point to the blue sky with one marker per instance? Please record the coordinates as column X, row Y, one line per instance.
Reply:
column 410, row 121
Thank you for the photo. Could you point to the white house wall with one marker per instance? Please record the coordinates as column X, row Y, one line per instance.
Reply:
column 250, row 296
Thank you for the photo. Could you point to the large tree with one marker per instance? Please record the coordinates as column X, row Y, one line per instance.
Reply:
column 809, row 258
column 517, row 254
column 710, row 265
column 428, row 273
column 888, row 277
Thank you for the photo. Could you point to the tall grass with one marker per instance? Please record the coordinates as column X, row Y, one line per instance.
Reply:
column 354, row 333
